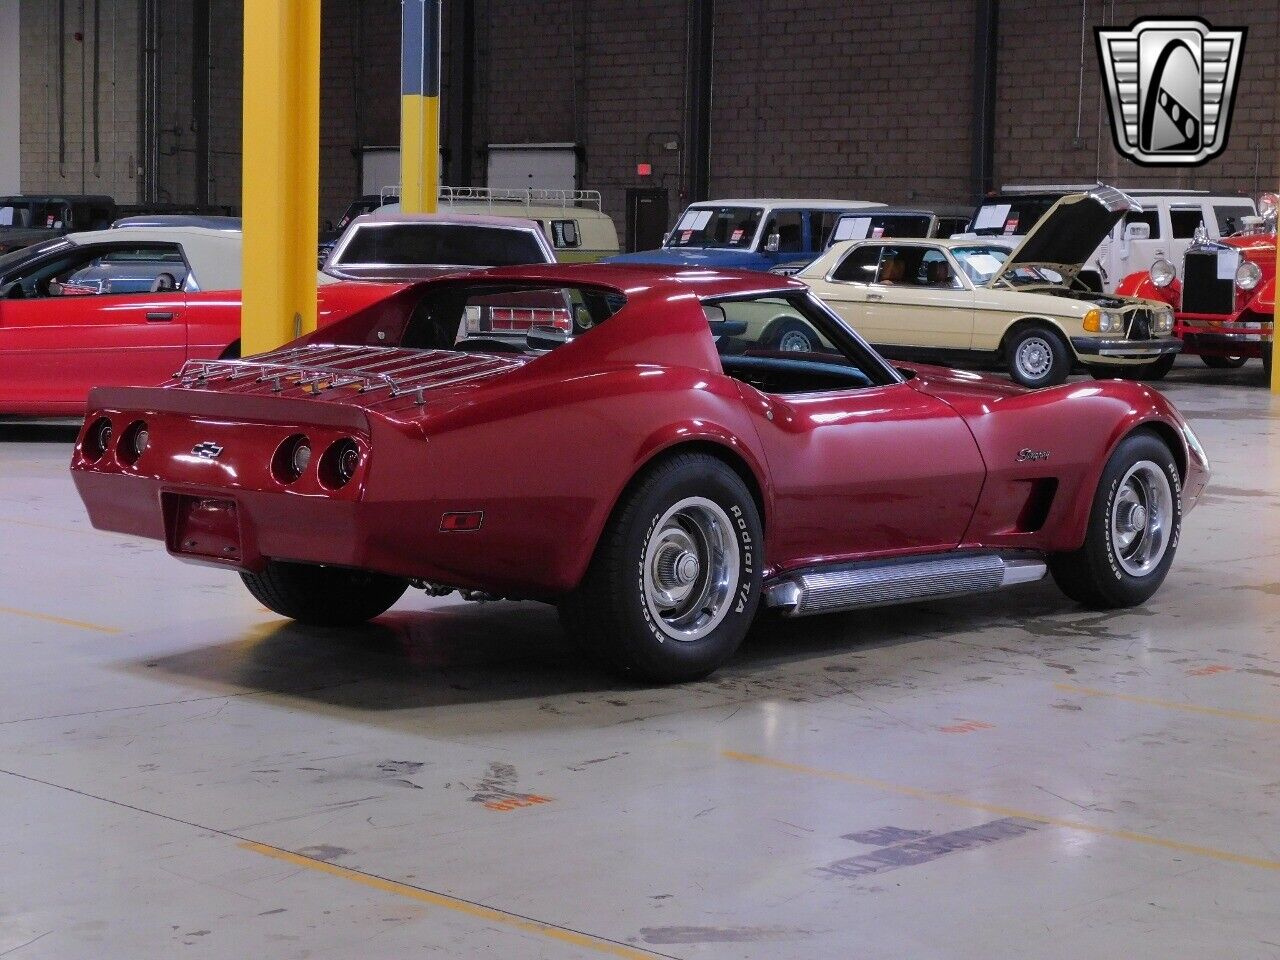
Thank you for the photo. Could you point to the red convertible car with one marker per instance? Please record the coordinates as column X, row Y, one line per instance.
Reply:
column 129, row 305
column 657, row 473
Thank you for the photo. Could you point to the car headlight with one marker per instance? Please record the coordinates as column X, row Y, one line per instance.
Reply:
column 1194, row 445
column 1101, row 321
column 1162, row 320
column 1248, row 275
column 1162, row 273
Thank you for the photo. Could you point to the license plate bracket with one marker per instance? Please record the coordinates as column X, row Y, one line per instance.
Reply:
column 204, row 528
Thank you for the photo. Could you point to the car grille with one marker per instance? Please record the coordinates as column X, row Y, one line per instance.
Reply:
column 1140, row 325
column 1202, row 291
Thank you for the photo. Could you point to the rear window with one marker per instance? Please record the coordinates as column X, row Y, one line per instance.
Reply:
column 431, row 244
column 506, row 318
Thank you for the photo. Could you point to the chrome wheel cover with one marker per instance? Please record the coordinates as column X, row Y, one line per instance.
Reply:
column 690, row 569
column 796, row 340
column 1034, row 357
column 1142, row 518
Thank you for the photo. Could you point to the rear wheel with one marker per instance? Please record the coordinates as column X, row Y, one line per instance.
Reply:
column 1133, row 528
column 1038, row 357
column 1266, row 362
column 1224, row 363
column 790, row 334
column 323, row 596
column 676, row 578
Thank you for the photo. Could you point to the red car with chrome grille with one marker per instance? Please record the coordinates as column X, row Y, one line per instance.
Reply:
column 1224, row 304
column 652, row 468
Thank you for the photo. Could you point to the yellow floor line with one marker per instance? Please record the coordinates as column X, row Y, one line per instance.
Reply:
column 1169, row 704
column 63, row 621
column 479, row 911
column 1003, row 811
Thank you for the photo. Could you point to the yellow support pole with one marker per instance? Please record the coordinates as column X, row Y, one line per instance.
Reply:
column 419, row 105
column 280, row 196
column 1275, row 329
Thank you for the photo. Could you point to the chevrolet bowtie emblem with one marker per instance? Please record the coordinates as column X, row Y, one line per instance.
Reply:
column 207, row 450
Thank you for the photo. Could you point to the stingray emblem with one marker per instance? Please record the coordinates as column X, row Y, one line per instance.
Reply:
column 207, row 450
column 1171, row 84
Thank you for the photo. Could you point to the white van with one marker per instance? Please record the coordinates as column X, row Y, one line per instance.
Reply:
column 1163, row 229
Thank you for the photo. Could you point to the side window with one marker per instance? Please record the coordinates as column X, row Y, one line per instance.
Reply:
column 789, row 227
column 821, row 223
column 1231, row 217
column 120, row 269
column 894, row 266
column 935, row 271
column 858, row 266
column 1150, row 217
column 787, row 345
column 564, row 233
column 1184, row 220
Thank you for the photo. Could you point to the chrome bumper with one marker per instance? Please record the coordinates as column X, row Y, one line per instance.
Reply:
column 1144, row 349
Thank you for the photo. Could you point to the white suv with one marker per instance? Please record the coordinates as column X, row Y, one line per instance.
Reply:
column 1163, row 229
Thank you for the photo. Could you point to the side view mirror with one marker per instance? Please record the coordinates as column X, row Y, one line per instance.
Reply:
column 666, row 238
column 1137, row 231
column 772, row 244
column 545, row 338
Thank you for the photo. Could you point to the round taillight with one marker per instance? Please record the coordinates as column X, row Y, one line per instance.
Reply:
column 97, row 439
column 134, row 441
column 291, row 459
column 340, row 463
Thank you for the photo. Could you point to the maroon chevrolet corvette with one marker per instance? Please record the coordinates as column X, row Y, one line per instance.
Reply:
column 655, row 466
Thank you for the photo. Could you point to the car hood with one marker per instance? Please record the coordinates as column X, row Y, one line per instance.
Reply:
column 683, row 256
column 953, row 385
column 1066, row 236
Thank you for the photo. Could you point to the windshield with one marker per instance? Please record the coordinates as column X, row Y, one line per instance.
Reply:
column 1007, row 216
column 884, row 225
column 27, row 215
column 439, row 244
column 982, row 263
column 724, row 227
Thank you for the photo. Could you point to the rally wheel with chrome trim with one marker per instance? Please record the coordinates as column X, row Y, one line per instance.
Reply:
column 1134, row 524
column 790, row 335
column 675, row 581
column 1038, row 357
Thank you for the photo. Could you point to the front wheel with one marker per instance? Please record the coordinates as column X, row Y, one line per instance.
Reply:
column 790, row 335
column 676, row 578
column 1133, row 528
column 1038, row 357
column 323, row 596
column 1223, row 363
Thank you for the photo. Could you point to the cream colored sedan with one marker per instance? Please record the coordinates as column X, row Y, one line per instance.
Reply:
column 952, row 299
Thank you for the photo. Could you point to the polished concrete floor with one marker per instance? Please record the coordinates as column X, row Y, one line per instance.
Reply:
column 184, row 775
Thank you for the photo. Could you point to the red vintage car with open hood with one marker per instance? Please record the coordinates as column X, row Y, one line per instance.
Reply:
column 656, row 472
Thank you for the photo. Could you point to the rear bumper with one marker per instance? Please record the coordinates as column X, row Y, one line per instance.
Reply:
column 1125, row 349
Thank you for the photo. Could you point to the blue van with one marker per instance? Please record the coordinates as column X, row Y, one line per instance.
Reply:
column 748, row 234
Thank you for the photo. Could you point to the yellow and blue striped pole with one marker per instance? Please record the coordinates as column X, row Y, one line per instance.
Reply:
column 419, row 105
column 280, row 192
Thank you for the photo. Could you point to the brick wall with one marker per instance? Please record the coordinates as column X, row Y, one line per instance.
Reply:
column 1052, row 123
column 842, row 98
column 73, row 168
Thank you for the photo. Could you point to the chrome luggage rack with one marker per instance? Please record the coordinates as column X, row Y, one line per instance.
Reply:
column 316, row 368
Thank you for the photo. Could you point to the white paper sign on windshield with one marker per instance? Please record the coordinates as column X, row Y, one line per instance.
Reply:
column 984, row 263
column 993, row 215
column 1228, row 264
column 852, row 228
column 686, row 222
column 6, row 216
column 701, row 219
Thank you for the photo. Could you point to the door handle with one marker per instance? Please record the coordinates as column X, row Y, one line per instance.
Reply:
column 159, row 317
column 875, row 296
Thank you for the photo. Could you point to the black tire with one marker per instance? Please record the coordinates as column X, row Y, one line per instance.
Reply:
column 611, row 615
column 788, row 333
column 1155, row 370
column 1266, row 363
column 1038, row 356
column 1097, row 574
column 1223, row 363
column 324, row 596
